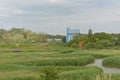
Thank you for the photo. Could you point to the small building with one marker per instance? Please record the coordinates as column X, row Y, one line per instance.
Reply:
column 49, row 40
column 71, row 33
column 56, row 40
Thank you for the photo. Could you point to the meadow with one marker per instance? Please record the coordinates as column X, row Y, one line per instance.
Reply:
column 52, row 61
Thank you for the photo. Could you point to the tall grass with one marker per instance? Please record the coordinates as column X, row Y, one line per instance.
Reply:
column 24, row 78
column 83, row 60
column 107, row 77
column 113, row 61
column 85, row 73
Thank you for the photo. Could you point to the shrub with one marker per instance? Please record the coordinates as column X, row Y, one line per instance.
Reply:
column 50, row 73
column 105, row 43
column 90, row 45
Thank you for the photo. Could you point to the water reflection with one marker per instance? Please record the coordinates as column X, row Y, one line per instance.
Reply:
column 98, row 62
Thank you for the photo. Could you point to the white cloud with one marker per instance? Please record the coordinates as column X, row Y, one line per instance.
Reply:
column 102, row 16
column 19, row 12
column 48, row 14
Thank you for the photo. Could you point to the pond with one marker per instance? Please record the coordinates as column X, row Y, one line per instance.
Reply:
column 98, row 62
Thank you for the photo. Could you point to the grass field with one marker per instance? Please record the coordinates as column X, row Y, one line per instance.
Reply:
column 34, row 58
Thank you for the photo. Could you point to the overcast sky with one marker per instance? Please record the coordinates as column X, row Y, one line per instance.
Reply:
column 53, row 16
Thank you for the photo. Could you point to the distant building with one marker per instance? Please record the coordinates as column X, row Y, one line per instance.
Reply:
column 56, row 40
column 49, row 40
column 70, row 33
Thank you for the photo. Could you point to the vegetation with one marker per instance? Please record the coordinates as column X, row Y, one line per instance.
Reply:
column 50, row 73
column 113, row 61
column 83, row 60
column 20, row 35
column 99, row 40
column 107, row 77
column 35, row 61
column 42, row 60
column 85, row 73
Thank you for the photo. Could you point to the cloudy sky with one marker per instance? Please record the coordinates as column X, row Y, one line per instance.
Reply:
column 53, row 16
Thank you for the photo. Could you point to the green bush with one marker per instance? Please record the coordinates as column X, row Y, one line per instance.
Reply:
column 90, row 45
column 50, row 73
column 99, row 44
column 105, row 43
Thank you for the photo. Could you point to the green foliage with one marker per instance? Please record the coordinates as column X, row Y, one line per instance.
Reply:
column 99, row 56
column 103, row 36
column 67, row 51
column 32, row 63
column 82, row 60
column 50, row 73
column 99, row 44
column 22, row 78
column 95, row 41
column 90, row 45
column 90, row 35
column 95, row 55
column 85, row 73
column 113, row 61
column 103, row 77
column 105, row 43
column 74, row 43
column 107, row 77
column 64, row 39
column 20, row 35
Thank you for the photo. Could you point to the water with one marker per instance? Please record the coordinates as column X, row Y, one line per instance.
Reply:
column 98, row 62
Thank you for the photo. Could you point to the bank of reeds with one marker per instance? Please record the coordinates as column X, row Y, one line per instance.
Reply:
column 113, row 61
column 83, row 60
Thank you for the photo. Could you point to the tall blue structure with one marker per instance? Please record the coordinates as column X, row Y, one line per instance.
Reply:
column 70, row 33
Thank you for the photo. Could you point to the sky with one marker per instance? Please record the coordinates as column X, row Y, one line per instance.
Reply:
column 53, row 16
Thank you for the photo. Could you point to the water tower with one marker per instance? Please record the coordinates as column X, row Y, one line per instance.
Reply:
column 71, row 33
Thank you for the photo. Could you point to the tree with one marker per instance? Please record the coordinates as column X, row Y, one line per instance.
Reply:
column 90, row 36
column 41, row 37
column 2, row 32
column 103, row 36
column 18, row 38
column 6, row 37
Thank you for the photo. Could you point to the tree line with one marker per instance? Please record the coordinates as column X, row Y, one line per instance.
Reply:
column 20, row 35
column 97, row 40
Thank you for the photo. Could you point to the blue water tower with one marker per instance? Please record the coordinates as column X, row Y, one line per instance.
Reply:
column 70, row 33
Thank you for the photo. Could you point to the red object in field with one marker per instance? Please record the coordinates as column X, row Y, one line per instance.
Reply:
column 80, row 44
